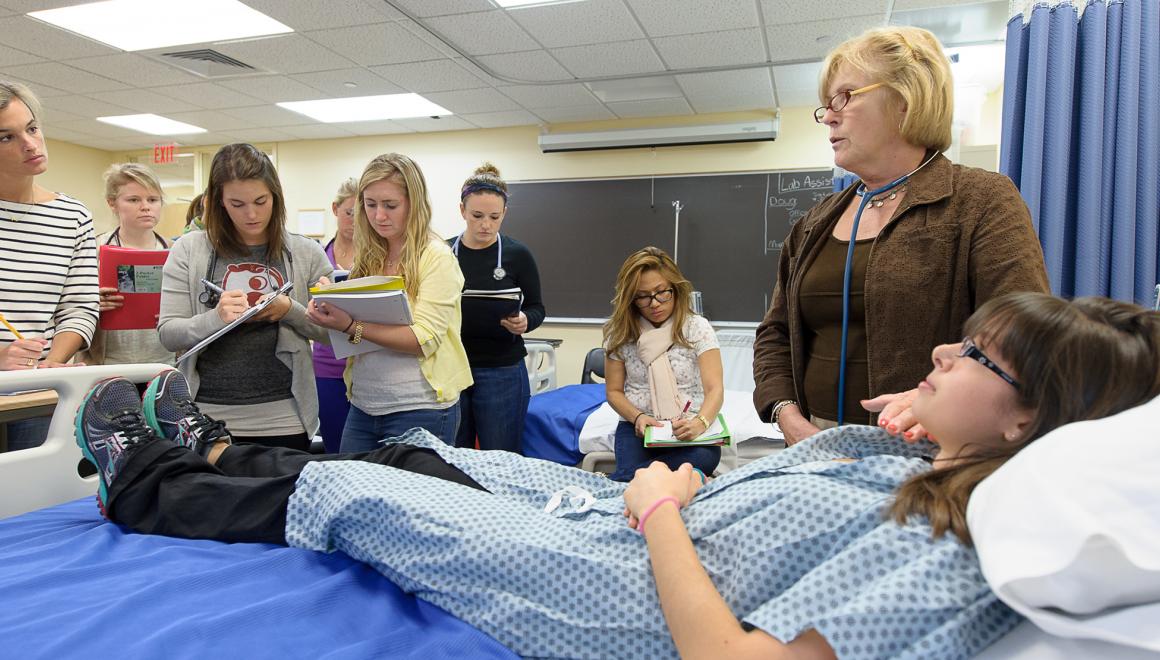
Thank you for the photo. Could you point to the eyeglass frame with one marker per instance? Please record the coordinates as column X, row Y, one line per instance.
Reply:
column 820, row 111
column 638, row 301
column 971, row 350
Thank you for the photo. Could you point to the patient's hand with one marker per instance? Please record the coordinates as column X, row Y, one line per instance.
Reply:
column 655, row 482
column 895, row 415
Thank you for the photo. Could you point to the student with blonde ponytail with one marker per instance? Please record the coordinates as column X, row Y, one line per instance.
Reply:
column 416, row 381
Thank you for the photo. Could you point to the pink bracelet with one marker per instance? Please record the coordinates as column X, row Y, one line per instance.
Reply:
column 653, row 507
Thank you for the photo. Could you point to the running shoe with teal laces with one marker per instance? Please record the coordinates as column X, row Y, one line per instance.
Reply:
column 171, row 413
column 108, row 424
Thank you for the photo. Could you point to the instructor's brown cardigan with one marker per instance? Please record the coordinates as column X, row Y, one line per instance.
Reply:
column 960, row 237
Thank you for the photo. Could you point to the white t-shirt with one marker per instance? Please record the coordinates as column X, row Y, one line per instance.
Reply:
column 683, row 361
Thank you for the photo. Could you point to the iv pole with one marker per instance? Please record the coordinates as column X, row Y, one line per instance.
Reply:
column 676, row 227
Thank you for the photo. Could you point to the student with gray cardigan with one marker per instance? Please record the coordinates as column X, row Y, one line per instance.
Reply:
column 258, row 378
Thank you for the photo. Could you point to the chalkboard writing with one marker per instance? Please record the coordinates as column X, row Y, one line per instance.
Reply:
column 732, row 227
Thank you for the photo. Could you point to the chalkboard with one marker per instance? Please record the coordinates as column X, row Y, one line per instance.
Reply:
column 732, row 227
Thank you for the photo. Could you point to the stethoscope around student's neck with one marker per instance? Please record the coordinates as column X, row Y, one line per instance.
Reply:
column 499, row 273
column 867, row 196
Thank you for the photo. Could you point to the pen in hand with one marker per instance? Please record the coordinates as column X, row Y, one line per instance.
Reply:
column 212, row 287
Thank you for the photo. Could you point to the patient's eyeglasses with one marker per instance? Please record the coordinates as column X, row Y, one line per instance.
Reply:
column 970, row 350
column 838, row 101
column 662, row 297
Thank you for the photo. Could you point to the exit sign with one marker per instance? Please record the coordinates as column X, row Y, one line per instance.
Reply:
column 164, row 153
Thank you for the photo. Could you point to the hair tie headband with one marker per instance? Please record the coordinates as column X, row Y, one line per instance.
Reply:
column 482, row 187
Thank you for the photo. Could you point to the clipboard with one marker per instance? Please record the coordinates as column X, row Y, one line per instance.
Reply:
column 246, row 315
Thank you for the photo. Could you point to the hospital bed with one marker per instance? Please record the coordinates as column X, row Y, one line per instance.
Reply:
column 75, row 585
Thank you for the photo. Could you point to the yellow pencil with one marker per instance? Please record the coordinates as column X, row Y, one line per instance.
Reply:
column 10, row 328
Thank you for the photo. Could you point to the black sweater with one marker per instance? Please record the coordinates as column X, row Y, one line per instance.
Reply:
column 489, row 346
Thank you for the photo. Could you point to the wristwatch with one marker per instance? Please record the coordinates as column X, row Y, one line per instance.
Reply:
column 778, row 407
column 357, row 336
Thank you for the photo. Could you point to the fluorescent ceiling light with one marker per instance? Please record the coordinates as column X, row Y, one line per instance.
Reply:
column 366, row 108
column 147, row 24
column 508, row 4
column 152, row 124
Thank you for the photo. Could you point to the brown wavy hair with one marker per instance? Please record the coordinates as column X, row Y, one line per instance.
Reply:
column 241, row 162
column 370, row 248
column 623, row 327
column 1075, row 360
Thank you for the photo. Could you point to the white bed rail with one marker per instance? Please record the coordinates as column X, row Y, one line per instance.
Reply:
column 43, row 476
column 541, row 361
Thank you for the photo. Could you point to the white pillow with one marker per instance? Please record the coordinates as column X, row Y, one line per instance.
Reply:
column 1068, row 531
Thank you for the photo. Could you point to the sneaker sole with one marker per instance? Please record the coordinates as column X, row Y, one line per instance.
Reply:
column 78, row 433
column 148, row 406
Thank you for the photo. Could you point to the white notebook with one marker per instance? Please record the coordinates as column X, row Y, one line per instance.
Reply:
column 385, row 307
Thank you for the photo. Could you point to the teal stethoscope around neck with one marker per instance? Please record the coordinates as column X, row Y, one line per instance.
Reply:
column 867, row 196
column 499, row 273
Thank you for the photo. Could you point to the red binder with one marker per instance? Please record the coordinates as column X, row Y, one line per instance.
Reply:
column 137, row 276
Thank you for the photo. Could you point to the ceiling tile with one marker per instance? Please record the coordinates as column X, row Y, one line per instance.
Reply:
column 134, row 70
column 384, row 127
column 65, row 77
column 41, row 91
column 97, row 129
column 143, row 100
column 433, row 76
column 105, row 144
column 668, row 17
column 689, row 51
column 64, row 135
column 33, row 36
column 381, row 43
column 273, row 88
column 289, row 53
column 501, row 119
column 212, row 120
column 652, row 108
column 782, row 12
column 428, row 125
column 259, row 135
column 574, row 113
column 802, row 41
column 579, row 23
column 536, row 65
column 11, row 56
column 316, row 131
column 268, row 115
column 313, row 15
column 204, row 139
column 725, row 91
column 424, row 8
column 482, row 33
column 620, row 58
column 473, row 100
column 51, row 117
column 85, row 106
column 210, row 95
column 797, row 84
column 334, row 83
column 550, row 96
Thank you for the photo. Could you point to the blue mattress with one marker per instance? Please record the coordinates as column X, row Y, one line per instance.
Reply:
column 555, row 419
column 75, row 585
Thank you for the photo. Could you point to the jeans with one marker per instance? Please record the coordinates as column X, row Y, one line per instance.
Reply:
column 493, row 409
column 28, row 433
column 333, row 407
column 631, row 454
column 364, row 432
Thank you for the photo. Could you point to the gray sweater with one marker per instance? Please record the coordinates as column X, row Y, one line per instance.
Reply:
column 184, row 321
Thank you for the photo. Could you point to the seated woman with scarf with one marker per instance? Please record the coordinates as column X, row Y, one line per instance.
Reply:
column 662, row 363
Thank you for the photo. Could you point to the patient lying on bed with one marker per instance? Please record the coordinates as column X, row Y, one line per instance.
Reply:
column 850, row 544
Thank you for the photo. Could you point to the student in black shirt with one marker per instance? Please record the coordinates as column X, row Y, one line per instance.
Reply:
column 493, row 409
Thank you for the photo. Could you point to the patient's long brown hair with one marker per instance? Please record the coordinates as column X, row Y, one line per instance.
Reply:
column 1075, row 360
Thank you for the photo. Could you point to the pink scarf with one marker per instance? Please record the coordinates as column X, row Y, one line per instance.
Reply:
column 653, row 349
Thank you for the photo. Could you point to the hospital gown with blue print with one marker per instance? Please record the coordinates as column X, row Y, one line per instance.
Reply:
column 793, row 541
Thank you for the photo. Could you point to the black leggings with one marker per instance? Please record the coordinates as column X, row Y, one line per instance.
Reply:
column 166, row 489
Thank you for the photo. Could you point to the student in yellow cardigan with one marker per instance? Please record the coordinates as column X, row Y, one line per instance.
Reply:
column 416, row 379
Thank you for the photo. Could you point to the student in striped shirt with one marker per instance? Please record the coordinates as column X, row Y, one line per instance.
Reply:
column 48, row 261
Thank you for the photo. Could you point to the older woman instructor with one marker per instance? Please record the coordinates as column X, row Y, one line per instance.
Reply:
column 933, row 242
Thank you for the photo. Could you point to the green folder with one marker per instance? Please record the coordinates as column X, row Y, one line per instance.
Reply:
column 717, row 435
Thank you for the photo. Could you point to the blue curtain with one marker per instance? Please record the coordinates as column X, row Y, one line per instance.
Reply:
column 843, row 179
column 1081, row 140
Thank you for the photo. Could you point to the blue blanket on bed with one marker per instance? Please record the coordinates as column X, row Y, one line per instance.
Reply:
column 73, row 585
column 555, row 418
